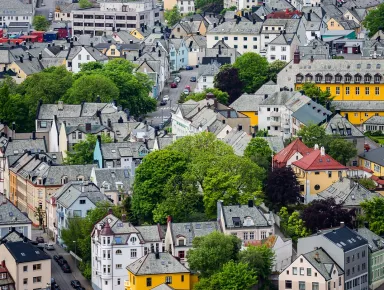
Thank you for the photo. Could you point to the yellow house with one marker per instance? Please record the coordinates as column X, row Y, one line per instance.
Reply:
column 373, row 160
column 316, row 172
column 136, row 33
column 340, row 23
column 159, row 270
column 24, row 67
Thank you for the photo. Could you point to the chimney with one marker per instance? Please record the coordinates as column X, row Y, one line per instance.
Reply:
column 312, row 58
column 71, row 44
column 322, row 151
column 309, row 16
column 88, row 127
column 40, row 56
column 342, row 224
column 30, row 57
column 317, row 257
column 316, row 147
column 60, row 105
column 250, row 203
column 214, row 25
column 265, row 96
column 169, row 219
column 159, row 53
column 123, row 217
column 21, row 59
column 3, row 263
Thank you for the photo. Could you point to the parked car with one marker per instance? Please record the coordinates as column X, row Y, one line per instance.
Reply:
column 62, row 261
column 188, row 88
column 193, row 79
column 173, row 85
column 186, row 91
column 66, row 269
column 188, row 67
column 40, row 240
column 80, row 288
column 57, row 257
column 177, row 79
column 163, row 103
column 49, row 247
column 166, row 98
column 75, row 283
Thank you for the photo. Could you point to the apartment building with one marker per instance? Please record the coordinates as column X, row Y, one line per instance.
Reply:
column 16, row 12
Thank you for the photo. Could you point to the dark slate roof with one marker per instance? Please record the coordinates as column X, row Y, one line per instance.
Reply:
column 375, row 155
column 311, row 113
column 110, row 177
column 345, row 238
column 339, row 125
column 192, row 230
column 241, row 212
column 26, row 252
column 19, row 146
column 323, row 263
column 10, row 214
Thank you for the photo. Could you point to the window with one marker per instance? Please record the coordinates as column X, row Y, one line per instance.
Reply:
column 25, row 268
column 367, row 90
column 315, row 285
column 283, row 57
column 168, row 280
column 118, row 252
column 377, row 168
column 329, row 285
column 88, row 57
column 216, row 38
column 25, row 281
column 133, row 253
column 294, row 270
column 74, row 135
column 133, row 240
column 149, row 282
column 245, row 46
column 309, row 272
column 288, row 284
column 317, row 187
column 348, row 272
column 255, row 39
column 204, row 79
column 363, row 254
column 119, row 266
column 252, row 235
column 182, row 278
column 36, row 267
column 245, row 38
column 82, row 201
column 357, row 78
column 329, row 174
column 357, row 91
column 318, row 78
column 43, row 124
column 80, row 135
column 339, row 281
column 118, row 281
column 37, row 279
column 377, row 91
column 273, row 48
column 79, row 57
column 181, row 254
column 337, row 90
column 301, row 285
column 263, row 235
column 347, row 90
column 301, row 271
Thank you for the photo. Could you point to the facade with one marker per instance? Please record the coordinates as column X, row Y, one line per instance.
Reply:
column 79, row 55
column 373, row 124
column 206, row 75
column 16, row 12
column 293, row 152
column 6, row 281
column 178, row 54
column 373, row 160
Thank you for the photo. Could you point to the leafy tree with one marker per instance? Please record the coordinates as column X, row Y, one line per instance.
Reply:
column 316, row 94
column 82, row 152
column 88, row 87
column 367, row 183
column 282, row 187
column 208, row 5
column 373, row 213
column 274, row 68
column 40, row 23
column 233, row 179
column 222, row 97
column 258, row 151
column 172, row 16
column 39, row 215
column 374, row 20
column 227, row 80
column 292, row 225
column 253, row 71
column 261, row 259
column 85, row 4
column 342, row 150
column 314, row 134
column 233, row 276
column 325, row 213
column 211, row 252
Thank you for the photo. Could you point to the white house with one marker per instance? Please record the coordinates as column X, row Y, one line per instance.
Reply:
column 79, row 55
column 116, row 244
column 282, row 47
column 206, row 75
column 16, row 12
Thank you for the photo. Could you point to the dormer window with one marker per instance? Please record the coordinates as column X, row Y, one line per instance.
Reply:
column 357, row 78
column 308, row 78
column 39, row 181
column 367, row 78
column 181, row 242
column 64, row 179
column 236, row 222
column 377, row 78
column 348, row 78
column 338, row 78
column 328, row 78
column 318, row 78
column 299, row 78
column 133, row 240
column 248, row 222
column 80, row 178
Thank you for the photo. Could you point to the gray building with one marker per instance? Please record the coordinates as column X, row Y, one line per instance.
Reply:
column 347, row 248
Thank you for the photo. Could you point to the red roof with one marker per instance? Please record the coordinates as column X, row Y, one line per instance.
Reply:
column 290, row 150
column 106, row 231
column 378, row 180
column 284, row 14
column 317, row 161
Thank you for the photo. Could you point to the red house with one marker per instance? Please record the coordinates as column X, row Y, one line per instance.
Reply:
column 293, row 152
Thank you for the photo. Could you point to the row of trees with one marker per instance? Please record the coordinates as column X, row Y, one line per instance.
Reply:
column 115, row 80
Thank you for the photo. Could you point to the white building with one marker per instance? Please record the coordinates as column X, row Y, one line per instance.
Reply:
column 16, row 11
column 79, row 55
column 206, row 75
column 116, row 244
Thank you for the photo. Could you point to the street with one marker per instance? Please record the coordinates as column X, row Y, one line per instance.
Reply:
column 61, row 278
column 50, row 6
column 164, row 112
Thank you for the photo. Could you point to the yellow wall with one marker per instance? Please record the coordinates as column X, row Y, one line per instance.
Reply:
column 109, row 52
column 168, row 4
column 335, row 26
column 253, row 117
column 357, row 118
column 140, row 282
column 137, row 34
column 15, row 68
column 378, row 170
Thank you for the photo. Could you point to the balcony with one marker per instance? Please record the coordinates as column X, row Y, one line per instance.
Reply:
column 275, row 123
column 286, row 126
column 275, row 114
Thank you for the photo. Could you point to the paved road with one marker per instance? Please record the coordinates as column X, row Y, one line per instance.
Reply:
column 163, row 112
column 63, row 279
column 44, row 10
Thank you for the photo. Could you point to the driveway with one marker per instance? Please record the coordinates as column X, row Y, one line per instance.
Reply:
column 61, row 278
column 164, row 112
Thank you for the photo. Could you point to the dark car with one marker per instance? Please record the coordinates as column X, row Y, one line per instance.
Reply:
column 80, row 288
column 75, row 283
column 173, row 85
column 193, row 79
column 188, row 67
column 40, row 240
column 62, row 261
column 163, row 103
column 57, row 257
column 66, row 268
column 55, row 287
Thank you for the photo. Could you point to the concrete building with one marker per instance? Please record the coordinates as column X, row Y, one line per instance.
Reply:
column 17, row 12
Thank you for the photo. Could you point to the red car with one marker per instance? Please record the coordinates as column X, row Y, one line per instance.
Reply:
column 173, row 85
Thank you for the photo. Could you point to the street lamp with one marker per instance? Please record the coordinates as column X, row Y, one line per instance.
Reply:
column 75, row 254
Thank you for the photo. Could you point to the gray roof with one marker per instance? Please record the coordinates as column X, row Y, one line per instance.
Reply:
column 163, row 287
column 29, row 66
column 13, row 236
column 10, row 214
column 26, row 252
column 19, row 146
column 54, row 174
column 191, row 230
column 233, row 213
column 238, row 140
column 375, row 156
column 112, row 177
column 311, row 113
column 149, row 265
column 208, row 69
column 277, row 98
column 358, row 106
column 339, row 125
column 375, row 242
column 247, row 102
column 316, row 48
column 111, row 151
column 348, row 192
column 375, row 120
column 97, row 55
column 243, row 27
column 290, row 25
column 151, row 233
column 276, row 143
column 323, row 263
column 15, row 8
column 362, row 3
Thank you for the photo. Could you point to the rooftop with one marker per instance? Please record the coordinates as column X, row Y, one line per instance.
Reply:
column 297, row 146
column 374, row 155
column 25, row 252
column 345, row 238
column 10, row 214
column 318, row 160
column 323, row 263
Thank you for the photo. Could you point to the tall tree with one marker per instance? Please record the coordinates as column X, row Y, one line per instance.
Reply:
column 258, row 151
column 314, row 134
column 292, row 225
column 274, row 68
column 227, row 80
column 325, row 213
column 374, row 20
column 172, row 16
column 342, row 150
column 253, row 71
column 222, row 97
column 316, row 94
column 211, row 252
column 282, row 187
column 40, row 23
column 373, row 213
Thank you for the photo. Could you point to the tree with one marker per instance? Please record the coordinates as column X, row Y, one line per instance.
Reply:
column 85, row 4
column 282, row 187
column 253, row 71
column 292, row 225
column 209, row 5
column 258, row 151
column 261, row 259
column 342, row 150
column 374, row 20
column 39, row 215
column 40, row 23
column 227, row 80
column 88, row 87
column 172, row 16
column 373, row 213
column 314, row 134
column 82, row 152
column 233, row 276
column 274, row 68
column 221, row 97
column 325, row 213
column 367, row 183
column 316, row 94
column 209, row 253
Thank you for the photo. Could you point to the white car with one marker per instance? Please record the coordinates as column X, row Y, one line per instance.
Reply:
column 166, row 98
column 186, row 91
column 49, row 247
column 177, row 79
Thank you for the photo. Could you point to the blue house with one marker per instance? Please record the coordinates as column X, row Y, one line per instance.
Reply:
column 178, row 54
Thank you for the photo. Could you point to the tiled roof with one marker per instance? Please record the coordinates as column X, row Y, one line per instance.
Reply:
column 232, row 213
column 345, row 238
column 323, row 263
column 163, row 287
column 276, row 143
column 339, row 125
column 375, row 242
column 374, row 155
column 317, row 161
column 278, row 98
column 20, row 145
column 247, row 103
column 294, row 147
column 10, row 214
column 191, row 230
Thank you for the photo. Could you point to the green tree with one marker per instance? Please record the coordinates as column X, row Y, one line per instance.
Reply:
column 258, row 151
column 233, row 276
column 373, row 213
column 342, row 150
column 316, row 94
column 172, row 16
column 221, row 97
column 274, row 68
column 314, row 134
column 374, row 20
column 227, row 80
column 253, row 71
column 39, row 215
column 82, row 152
column 211, row 252
column 367, row 183
column 292, row 225
column 40, row 23
column 85, row 4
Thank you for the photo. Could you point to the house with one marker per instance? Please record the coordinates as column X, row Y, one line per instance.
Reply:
column 13, row 218
column 6, row 281
column 315, row 49
column 17, row 12
column 153, row 69
column 63, row 12
column 376, row 251
column 115, row 183
column 374, row 124
column 196, row 45
column 247, row 222
column 206, row 75
column 282, row 47
column 24, row 67
column 237, row 139
column 347, row 248
column 79, row 55
column 313, row 270
column 314, row 23
column 116, row 243
column 75, row 199
column 155, row 269
column 179, row 236
column 221, row 53
column 373, row 160
column 317, row 171
column 184, row 7
column 293, row 152
column 340, row 23
column 178, row 54
column 29, row 267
